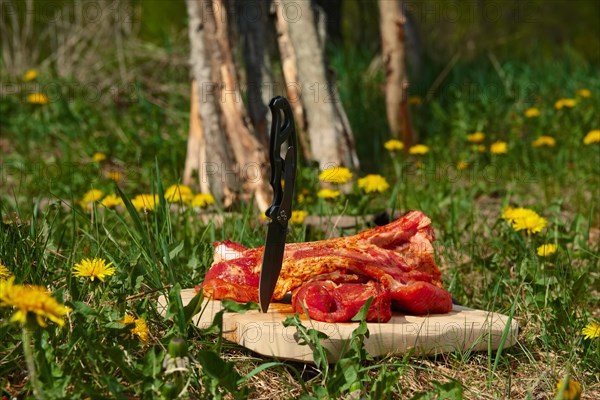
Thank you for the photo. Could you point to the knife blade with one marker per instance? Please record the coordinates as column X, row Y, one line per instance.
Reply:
column 271, row 264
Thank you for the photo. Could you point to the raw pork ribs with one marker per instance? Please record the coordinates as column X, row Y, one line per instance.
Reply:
column 333, row 278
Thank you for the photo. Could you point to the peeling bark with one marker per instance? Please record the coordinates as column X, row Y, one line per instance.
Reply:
column 250, row 156
column 226, row 147
column 290, row 75
column 196, row 147
column 396, row 85
column 331, row 140
column 211, row 154
column 235, row 161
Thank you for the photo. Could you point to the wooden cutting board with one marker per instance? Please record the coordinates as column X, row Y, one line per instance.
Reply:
column 460, row 330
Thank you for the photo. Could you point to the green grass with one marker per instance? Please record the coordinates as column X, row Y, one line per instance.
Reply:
column 46, row 167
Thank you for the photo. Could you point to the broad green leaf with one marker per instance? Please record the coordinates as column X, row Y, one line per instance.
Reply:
column 175, row 308
column 118, row 325
column 152, row 363
column 234, row 306
column 452, row 390
column 116, row 355
column 193, row 307
column 176, row 250
column 361, row 315
column 83, row 308
column 312, row 338
column 383, row 386
column 219, row 370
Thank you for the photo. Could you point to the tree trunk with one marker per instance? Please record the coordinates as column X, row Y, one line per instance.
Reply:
column 205, row 124
column 234, row 156
column 196, row 147
column 252, row 19
column 331, row 140
column 290, row 75
column 396, row 85
column 250, row 156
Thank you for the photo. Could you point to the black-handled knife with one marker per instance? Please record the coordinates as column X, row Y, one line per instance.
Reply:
column 283, row 131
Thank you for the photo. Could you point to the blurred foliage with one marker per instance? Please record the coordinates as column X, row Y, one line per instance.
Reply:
column 159, row 18
column 446, row 27
column 472, row 27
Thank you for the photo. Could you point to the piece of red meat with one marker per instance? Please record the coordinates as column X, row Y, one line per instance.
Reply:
column 398, row 256
column 336, row 302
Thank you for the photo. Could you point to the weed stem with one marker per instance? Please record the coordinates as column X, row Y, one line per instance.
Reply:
column 38, row 393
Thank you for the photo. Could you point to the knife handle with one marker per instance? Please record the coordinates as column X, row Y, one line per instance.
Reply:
column 282, row 129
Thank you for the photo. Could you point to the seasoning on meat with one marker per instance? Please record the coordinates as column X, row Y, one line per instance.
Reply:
column 333, row 278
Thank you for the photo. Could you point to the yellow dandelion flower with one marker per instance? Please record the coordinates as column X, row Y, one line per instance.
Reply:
column 531, row 224
column 304, row 197
column 558, row 104
column 592, row 137
column 145, row 202
column 93, row 268
column 510, row 213
column 532, row 112
column 524, row 219
column 584, row 93
column 561, row 103
column 90, row 197
column 4, row 272
column 415, row 100
column 328, row 193
column 546, row 249
column 115, row 175
column 393, row 145
column 418, row 149
column 202, row 200
column 263, row 217
column 36, row 300
column 591, row 331
column 38, row 98
column 373, row 183
column 301, row 199
column 30, row 75
column 462, row 165
column 298, row 216
column 548, row 141
column 571, row 392
column 99, row 157
column 499, row 147
column 476, row 137
column 111, row 201
column 178, row 194
column 480, row 148
column 335, row 175
column 140, row 330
